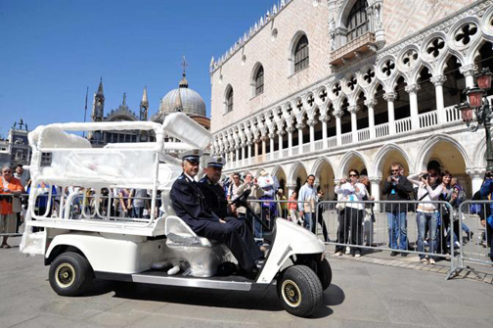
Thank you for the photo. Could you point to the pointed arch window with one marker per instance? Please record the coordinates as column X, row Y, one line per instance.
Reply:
column 229, row 99
column 259, row 81
column 301, row 55
column 358, row 22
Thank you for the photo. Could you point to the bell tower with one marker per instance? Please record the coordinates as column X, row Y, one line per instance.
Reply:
column 98, row 104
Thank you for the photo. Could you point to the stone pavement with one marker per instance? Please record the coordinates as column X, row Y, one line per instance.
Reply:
column 363, row 294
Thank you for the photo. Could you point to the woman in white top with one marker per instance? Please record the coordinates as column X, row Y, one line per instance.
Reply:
column 353, row 193
column 427, row 213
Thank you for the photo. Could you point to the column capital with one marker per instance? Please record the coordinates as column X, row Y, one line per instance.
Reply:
column 375, row 179
column 338, row 113
column 353, row 109
column 412, row 88
column 370, row 103
column 311, row 122
column 468, row 70
column 272, row 135
column 438, row 80
column 476, row 172
column 300, row 126
column 390, row 96
column 324, row 118
column 291, row 129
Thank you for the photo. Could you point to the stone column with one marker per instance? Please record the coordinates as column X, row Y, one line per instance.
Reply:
column 324, row 120
column 338, row 115
column 249, row 145
column 264, row 146
column 290, row 140
column 438, row 81
column 279, row 141
column 255, row 148
column 354, row 123
column 300, row 135
column 271, row 145
column 476, row 178
column 375, row 189
column 412, row 89
column 371, row 117
column 390, row 97
column 468, row 71
column 291, row 188
column 243, row 154
column 237, row 156
column 311, row 124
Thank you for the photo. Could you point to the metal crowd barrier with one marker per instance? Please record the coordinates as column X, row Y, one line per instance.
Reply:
column 11, row 198
column 475, row 234
column 366, row 229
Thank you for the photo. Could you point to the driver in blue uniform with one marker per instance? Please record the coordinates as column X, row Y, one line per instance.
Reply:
column 189, row 203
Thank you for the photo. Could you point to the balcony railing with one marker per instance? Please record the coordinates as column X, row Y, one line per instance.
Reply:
column 426, row 120
column 403, row 125
column 362, row 44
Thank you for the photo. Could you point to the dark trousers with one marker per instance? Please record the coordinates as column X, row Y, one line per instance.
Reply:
column 320, row 221
column 355, row 216
column 236, row 235
column 342, row 230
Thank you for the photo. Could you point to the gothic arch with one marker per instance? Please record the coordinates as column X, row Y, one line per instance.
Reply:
column 346, row 160
column 379, row 159
column 426, row 148
column 294, row 172
column 292, row 48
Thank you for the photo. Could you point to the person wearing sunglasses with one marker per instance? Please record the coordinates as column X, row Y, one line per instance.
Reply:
column 10, row 188
column 397, row 188
column 353, row 193
column 427, row 213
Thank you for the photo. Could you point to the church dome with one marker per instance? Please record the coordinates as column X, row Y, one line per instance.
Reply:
column 182, row 99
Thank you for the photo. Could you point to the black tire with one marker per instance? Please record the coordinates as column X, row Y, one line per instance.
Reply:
column 70, row 274
column 300, row 290
column 324, row 273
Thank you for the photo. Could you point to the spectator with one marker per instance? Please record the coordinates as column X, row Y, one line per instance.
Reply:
column 487, row 219
column 20, row 204
column 125, row 202
column 42, row 196
column 21, row 175
column 354, row 193
column 11, row 187
column 397, row 188
column 343, row 227
column 461, row 196
column 283, row 205
column 369, row 214
column 448, row 195
column 234, row 187
column 427, row 213
column 293, row 208
column 307, row 199
column 140, row 200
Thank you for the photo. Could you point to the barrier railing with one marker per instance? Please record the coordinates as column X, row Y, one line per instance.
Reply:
column 421, row 228
column 475, row 234
column 10, row 223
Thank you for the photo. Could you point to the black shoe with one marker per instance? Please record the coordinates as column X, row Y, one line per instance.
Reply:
column 394, row 253
column 403, row 254
column 259, row 264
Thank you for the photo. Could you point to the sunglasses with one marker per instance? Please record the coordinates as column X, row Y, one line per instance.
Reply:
column 7, row 171
column 353, row 175
column 394, row 170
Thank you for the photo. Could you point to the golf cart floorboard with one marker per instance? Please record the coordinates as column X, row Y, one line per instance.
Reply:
column 231, row 282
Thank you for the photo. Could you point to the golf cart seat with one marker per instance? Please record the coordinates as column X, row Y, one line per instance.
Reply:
column 179, row 234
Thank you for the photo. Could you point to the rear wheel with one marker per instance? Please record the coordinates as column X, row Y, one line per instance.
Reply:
column 70, row 274
column 324, row 273
column 300, row 290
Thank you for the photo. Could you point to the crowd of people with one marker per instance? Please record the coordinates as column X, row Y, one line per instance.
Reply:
column 249, row 196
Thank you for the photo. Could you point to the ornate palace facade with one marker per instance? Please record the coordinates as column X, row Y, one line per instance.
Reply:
column 319, row 87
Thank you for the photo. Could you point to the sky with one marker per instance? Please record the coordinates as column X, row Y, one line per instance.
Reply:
column 52, row 50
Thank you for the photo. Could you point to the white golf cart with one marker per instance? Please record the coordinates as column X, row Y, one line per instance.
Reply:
column 159, row 249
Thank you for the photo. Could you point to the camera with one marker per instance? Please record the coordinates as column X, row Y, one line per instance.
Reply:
column 425, row 176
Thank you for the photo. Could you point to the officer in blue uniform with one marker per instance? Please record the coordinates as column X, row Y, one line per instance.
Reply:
column 189, row 203
column 215, row 197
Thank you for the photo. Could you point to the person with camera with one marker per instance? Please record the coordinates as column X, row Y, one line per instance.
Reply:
column 427, row 214
column 451, row 196
column 397, row 188
column 486, row 192
column 11, row 187
column 354, row 211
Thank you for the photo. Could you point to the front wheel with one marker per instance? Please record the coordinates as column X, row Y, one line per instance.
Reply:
column 300, row 290
column 70, row 274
